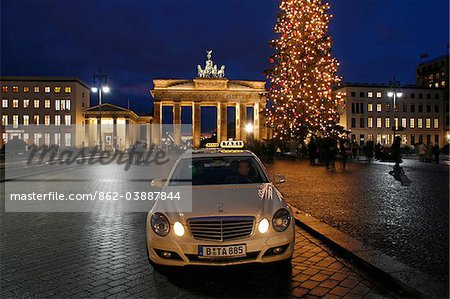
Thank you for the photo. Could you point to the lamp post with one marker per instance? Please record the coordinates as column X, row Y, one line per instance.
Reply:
column 100, row 86
column 394, row 95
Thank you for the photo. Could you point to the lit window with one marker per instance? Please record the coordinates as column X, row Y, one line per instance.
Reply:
column 47, row 104
column 57, row 89
column 4, row 88
column 37, row 136
column 370, row 94
column 4, row 103
column 26, row 137
column 68, row 139
column 4, row 120
column 62, row 105
column 403, row 122
column 379, row 94
column 26, row 89
column 26, row 120
column 67, row 104
column 419, row 123
column 428, row 123
column 36, row 120
column 15, row 88
column 15, row 104
column 370, row 122
column 412, row 123
column 47, row 89
column 57, row 105
column 436, row 123
column 47, row 138
column 36, row 103
column 26, row 103
column 370, row 107
column 36, row 89
column 58, row 138
column 15, row 121
column 379, row 107
column 57, row 120
column 387, row 122
column 68, row 89
column 47, row 120
column 378, row 122
column 68, row 120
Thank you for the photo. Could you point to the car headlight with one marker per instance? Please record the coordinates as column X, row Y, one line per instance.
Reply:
column 281, row 220
column 178, row 228
column 263, row 226
column 160, row 224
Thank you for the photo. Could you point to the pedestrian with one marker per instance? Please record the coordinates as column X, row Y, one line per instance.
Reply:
column 396, row 152
column 429, row 152
column 312, row 152
column 344, row 153
column 436, row 152
column 422, row 149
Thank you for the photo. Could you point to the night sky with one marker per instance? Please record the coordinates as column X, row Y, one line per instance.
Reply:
column 135, row 41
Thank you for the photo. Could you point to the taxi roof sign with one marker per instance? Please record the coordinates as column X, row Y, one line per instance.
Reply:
column 232, row 144
column 212, row 145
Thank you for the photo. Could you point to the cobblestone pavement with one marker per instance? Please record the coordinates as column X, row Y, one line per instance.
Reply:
column 103, row 254
column 409, row 223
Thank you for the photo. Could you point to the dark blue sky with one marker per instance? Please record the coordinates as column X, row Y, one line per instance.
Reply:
column 135, row 41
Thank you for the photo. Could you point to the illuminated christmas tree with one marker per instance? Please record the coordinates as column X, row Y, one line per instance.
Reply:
column 301, row 100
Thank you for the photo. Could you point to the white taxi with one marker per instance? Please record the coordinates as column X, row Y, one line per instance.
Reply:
column 238, row 216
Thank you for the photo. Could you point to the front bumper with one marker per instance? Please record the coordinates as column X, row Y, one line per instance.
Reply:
column 184, row 250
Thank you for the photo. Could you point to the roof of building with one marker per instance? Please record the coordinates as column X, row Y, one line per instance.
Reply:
column 43, row 79
column 433, row 60
column 384, row 85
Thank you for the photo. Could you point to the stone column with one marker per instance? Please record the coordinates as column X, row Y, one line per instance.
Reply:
column 177, row 123
column 222, row 122
column 127, row 132
column 241, row 120
column 196, row 124
column 157, row 123
column 148, row 127
column 99, row 132
column 114, row 137
column 256, row 122
column 86, row 133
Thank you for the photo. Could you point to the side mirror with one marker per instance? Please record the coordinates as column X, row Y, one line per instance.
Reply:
column 158, row 183
column 279, row 179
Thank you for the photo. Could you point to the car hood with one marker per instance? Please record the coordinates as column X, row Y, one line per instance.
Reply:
column 258, row 200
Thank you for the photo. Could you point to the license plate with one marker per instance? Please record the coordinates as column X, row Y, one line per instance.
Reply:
column 222, row 251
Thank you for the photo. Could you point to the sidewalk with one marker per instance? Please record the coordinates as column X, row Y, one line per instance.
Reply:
column 409, row 223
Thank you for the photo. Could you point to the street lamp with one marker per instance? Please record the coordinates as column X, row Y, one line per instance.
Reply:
column 394, row 95
column 249, row 128
column 100, row 86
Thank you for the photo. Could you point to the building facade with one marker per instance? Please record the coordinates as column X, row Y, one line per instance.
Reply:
column 368, row 113
column 434, row 74
column 53, row 102
column 120, row 127
column 211, row 88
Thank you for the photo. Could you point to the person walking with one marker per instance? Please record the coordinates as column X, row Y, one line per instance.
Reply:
column 344, row 152
column 422, row 149
column 436, row 152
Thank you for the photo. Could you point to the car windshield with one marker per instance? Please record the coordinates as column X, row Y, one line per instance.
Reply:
column 218, row 171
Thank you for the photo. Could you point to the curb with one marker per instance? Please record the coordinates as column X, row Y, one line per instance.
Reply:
column 412, row 281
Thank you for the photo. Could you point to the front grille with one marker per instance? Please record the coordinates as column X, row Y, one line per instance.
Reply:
column 249, row 257
column 221, row 228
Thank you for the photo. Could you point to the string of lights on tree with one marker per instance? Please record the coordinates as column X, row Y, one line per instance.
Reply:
column 301, row 99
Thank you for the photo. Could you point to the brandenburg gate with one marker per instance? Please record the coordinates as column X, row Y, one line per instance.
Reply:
column 210, row 88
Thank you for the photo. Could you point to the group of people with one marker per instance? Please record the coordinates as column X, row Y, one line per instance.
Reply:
column 429, row 153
